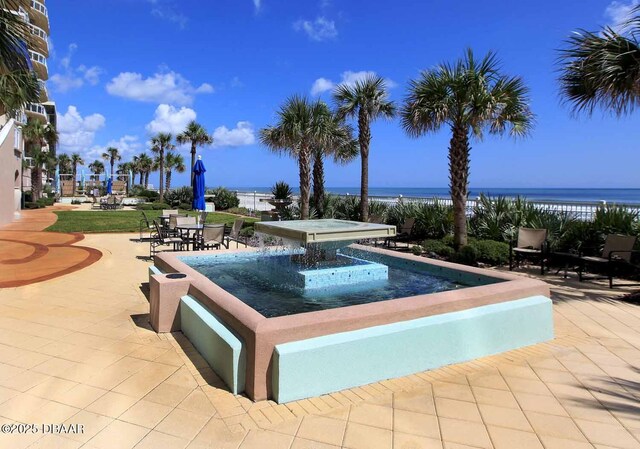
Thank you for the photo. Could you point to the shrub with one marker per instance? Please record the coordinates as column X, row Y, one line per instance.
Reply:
column 434, row 220
column 150, row 195
column 467, row 255
column 491, row 252
column 76, row 202
column 44, row 201
column 238, row 210
column 247, row 231
column 224, row 198
column 182, row 195
column 439, row 248
column 281, row 191
column 152, row 206
column 32, row 205
column 417, row 250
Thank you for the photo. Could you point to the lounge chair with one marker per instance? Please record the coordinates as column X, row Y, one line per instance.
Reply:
column 161, row 238
column 234, row 232
column 616, row 253
column 212, row 236
column 531, row 245
column 404, row 232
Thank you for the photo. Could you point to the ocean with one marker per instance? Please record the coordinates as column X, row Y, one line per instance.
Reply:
column 618, row 196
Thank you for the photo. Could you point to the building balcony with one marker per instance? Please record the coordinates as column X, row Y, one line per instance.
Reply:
column 39, row 40
column 37, row 111
column 39, row 15
column 40, row 64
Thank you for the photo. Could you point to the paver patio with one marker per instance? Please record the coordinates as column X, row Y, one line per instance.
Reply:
column 78, row 349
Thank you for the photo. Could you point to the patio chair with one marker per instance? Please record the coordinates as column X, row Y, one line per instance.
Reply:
column 160, row 238
column 173, row 222
column 531, row 245
column 616, row 253
column 170, row 211
column 203, row 216
column 234, row 232
column 212, row 236
column 145, row 224
column 403, row 234
column 96, row 203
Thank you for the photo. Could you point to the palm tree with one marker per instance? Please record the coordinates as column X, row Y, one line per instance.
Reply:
column 18, row 83
column 159, row 143
column 64, row 163
column 112, row 155
column 602, row 69
column 366, row 100
column 37, row 135
column 469, row 97
column 145, row 165
column 295, row 135
column 173, row 161
column 97, row 168
column 39, row 159
column 196, row 135
column 76, row 160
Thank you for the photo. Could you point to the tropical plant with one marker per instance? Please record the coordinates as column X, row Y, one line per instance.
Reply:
column 37, row 136
column 602, row 68
column 64, row 163
column 281, row 191
column 196, row 135
column 173, row 161
column 366, row 100
column 160, row 143
column 470, row 97
column 97, row 168
column 18, row 83
column 182, row 195
column 224, row 198
column 76, row 160
column 145, row 165
column 39, row 159
column 112, row 155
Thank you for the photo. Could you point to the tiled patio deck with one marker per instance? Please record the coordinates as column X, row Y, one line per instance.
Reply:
column 78, row 349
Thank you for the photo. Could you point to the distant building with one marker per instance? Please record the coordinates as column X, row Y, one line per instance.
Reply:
column 12, row 178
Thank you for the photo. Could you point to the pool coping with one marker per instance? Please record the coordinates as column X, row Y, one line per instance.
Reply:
column 262, row 334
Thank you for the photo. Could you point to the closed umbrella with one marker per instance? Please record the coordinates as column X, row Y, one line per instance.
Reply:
column 109, row 185
column 57, row 180
column 198, row 185
column 82, row 180
column 130, row 183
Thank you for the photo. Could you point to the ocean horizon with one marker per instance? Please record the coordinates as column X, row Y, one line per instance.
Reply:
column 609, row 195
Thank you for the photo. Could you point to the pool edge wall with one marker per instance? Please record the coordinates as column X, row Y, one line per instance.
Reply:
column 330, row 363
column 261, row 335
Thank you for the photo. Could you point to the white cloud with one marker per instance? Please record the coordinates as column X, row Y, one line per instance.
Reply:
column 76, row 133
column 348, row 78
column 242, row 134
column 74, row 77
column 318, row 30
column 127, row 145
column 167, row 87
column 167, row 10
column 618, row 12
column 169, row 119
column 257, row 4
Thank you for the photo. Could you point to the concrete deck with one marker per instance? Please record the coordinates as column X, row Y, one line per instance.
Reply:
column 78, row 349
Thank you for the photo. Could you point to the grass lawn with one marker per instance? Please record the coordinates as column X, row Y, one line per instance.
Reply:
column 120, row 220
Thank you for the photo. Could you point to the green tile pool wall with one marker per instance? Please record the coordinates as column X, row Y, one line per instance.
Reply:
column 321, row 365
column 220, row 347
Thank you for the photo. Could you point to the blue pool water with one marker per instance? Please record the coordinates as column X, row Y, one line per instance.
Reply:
column 258, row 280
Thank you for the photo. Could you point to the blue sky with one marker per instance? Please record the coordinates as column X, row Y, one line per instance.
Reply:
column 124, row 69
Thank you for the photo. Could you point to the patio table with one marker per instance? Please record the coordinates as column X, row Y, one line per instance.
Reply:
column 563, row 261
column 188, row 228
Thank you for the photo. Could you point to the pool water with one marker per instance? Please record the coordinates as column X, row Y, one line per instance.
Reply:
column 250, row 277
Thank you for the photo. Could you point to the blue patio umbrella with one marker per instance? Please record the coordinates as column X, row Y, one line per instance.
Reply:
column 198, row 185
column 109, row 185
column 130, row 183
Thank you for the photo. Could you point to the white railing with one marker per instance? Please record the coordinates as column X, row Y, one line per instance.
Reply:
column 37, row 31
column 39, row 7
column 38, row 57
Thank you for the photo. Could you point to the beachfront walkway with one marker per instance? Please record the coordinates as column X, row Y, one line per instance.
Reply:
column 78, row 349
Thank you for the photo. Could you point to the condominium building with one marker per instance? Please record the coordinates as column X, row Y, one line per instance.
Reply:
column 13, row 178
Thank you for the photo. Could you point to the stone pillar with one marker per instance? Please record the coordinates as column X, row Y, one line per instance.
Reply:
column 165, row 293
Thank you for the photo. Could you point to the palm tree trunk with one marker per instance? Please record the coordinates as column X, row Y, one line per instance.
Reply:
column 146, row 179
column 35, row 194
column 318, row 183
column 364, row 138
column 168, row 180
column 459, row 182
column 305, row 181
column 112, row 164
column 161, row 174
column 141, row 176
column 73, row 186
column 193, row 159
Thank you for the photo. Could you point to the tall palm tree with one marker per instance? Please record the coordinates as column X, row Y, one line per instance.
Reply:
column 18, row 83
column 76, row 160
column 470, row 96
column 173, row 161
column 366, row 100
column 64, row 163
column 602, row 69
column 159, row 144
column 145, row 163
column 39, row 158
column 196, row 135
column 112, row 155
column 37, row 135
column 97, row 168
column 295, row 134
